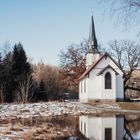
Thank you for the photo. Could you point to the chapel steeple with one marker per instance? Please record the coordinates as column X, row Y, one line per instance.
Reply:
column 93, row 53
column 92, row 42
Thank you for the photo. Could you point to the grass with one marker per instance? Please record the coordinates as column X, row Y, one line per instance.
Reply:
column 125, row 108
column 122, row 105
column 129, row 105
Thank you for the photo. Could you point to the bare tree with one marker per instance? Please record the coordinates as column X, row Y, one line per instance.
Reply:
column 5, row 48
column 24, row 90
column 1, row 95
column 126, row 11
column 127, row 55
column 72, row 65
column 50, row 76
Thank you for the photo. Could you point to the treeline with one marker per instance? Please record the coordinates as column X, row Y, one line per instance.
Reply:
column 22, row 82
column 125, row 52
column 15, row 76
column 47, row 82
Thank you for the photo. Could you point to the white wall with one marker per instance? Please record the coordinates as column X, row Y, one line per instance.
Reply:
column 92, row 127
column 83, row 90
column 109, row 93
column 95, row 83
column 95, row 127
column 120, row 87
column 107, row 61
column 89, row 59
column 109, row 123
column 119, row 128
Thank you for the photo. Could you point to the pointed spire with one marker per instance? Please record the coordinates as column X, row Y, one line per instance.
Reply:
column 92, row 42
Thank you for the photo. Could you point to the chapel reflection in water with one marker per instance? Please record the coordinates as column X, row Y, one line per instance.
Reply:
column 108, row 128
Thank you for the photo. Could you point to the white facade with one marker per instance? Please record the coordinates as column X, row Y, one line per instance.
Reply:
column 103, row 79
column 105, row 128
column 90, row 58
column 92, row 85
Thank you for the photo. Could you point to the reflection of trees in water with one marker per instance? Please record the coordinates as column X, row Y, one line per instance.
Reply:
column 52, row 128
column 80, row 136
column 131, row 126
column 69, row 126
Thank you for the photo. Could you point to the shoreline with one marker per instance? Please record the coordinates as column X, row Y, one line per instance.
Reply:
column 51, row 119
column 46, row 109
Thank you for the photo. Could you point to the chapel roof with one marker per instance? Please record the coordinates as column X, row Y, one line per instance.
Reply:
column 105, row 68
column 94, row 64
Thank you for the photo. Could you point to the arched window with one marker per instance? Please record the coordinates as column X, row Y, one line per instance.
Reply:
column 107, row 80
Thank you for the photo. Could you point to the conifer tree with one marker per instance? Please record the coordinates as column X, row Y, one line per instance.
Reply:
column 21, row 73
column 1, row 92
column 7, row 81
column 42, row 95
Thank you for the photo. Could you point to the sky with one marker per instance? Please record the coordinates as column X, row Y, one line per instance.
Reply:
column 45, row 27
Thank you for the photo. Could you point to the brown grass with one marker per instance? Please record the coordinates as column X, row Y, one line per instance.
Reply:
column 26, row 136
column 122, row 105
column 129, row 105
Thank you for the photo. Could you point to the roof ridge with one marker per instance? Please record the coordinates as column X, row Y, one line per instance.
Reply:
column 94, row 64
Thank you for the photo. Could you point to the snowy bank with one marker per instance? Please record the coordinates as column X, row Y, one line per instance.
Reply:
column 49, row 109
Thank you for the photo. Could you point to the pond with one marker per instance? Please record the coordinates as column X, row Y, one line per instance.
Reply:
column 67, row 127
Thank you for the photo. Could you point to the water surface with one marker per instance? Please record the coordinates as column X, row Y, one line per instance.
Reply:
column 72, row 128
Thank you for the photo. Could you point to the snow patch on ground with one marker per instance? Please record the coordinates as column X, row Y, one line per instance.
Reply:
column 49, row 109
column 9, row 112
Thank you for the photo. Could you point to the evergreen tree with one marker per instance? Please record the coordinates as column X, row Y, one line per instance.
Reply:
column 1, row 92
column 15, row 76
column 42, row 95
column 7, row 81
column 21, row 74
column 19, row 61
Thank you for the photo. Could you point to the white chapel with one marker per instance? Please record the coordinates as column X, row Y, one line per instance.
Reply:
column 103, row 78
column 102, row 128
